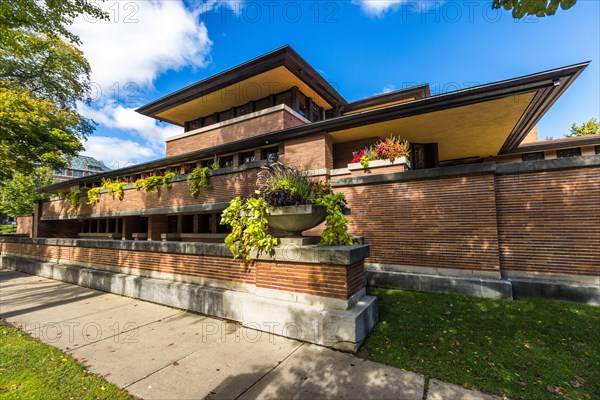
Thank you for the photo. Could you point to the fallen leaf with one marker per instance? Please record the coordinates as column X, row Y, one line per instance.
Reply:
column 551, row 389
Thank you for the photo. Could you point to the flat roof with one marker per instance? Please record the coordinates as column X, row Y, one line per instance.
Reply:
column 267, row 74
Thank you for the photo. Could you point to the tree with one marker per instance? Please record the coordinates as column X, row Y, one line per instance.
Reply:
column 42, row 77
column 19, row 193
column 592, row 127
column 539, row 8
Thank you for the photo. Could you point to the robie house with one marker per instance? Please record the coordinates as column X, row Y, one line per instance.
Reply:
column 478, row 207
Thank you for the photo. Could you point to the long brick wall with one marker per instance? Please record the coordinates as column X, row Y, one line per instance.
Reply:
column 222, row 189
column 550, row 221
column 439, row 223
column 327, row 280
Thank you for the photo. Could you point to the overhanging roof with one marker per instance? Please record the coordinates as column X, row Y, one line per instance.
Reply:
column 537, row 92
column 268, row 74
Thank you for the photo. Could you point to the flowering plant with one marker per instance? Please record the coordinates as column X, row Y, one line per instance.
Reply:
column 386, row 149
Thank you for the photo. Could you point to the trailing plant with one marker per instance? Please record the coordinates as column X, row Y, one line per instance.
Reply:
column 166, row 178
column 216, row 164
column 93, row 195
column 73, row 199
column 249, row 227
column 280, row 185
column 115, row 188
column 197, row 179
column 149, row 184
column 336, row 231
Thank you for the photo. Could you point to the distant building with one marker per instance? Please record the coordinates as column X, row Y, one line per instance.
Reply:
column 80, row 166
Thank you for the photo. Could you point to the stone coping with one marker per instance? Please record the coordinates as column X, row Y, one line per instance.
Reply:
column 313, row 254
column 471, row 169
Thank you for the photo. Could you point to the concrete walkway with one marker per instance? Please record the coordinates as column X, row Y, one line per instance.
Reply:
column 157, row 352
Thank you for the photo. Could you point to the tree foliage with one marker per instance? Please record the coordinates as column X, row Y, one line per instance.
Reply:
column 539, row 8
column 42, row 77
column 18, row 194
column 592, row 127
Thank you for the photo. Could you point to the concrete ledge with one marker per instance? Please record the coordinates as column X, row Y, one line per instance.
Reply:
column 337, row 255
column 340, row 329
column 527, row 289
column 476, row 287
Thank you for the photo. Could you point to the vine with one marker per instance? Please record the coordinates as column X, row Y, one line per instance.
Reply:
column 248, row 220
column 336, row 231
column 115, row 188
column 166, row 178
column 93, row 195
column 73, row 199
column 149, row 184
column 197, row 179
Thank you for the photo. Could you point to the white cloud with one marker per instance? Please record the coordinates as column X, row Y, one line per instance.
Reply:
column 117, row 153
column 390, row 87
column 142, row 40
column 377, row 8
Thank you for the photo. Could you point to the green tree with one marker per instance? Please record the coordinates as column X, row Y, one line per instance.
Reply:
column 18, row 194
column 539, row 8
column 42, row 77
column 592, row 127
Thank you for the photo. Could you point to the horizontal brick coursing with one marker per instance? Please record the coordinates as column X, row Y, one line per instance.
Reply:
column 335, row 281
column 25, row 225
column 550, row 221
column 449, row 223
column 222, row 189
column 231, row 133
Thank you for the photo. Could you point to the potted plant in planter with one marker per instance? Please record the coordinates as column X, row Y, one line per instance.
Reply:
column 286, row 199
column 387, row 155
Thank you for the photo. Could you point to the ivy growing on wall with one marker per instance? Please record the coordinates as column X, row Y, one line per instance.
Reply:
column 197, row 179
column 73, row 199
column 149, row 184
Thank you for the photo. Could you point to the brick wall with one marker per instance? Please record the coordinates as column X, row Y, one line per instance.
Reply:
column 25, row 225
column 230, row 133
column 328, row 280
column 439, row 223
column 311, row 152
column 222, row 189
column 550, row 221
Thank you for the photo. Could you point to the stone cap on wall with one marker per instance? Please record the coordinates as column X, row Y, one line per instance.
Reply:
column 315, row 254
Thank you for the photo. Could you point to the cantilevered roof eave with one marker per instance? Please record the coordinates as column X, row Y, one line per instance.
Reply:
column 510, row 87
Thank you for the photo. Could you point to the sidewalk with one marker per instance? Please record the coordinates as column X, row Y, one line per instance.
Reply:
column 157, row 352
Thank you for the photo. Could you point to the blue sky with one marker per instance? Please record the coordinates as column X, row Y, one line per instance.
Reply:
column 362, row 48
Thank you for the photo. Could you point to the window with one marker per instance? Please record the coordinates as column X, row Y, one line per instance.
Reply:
column 77, row 173
column 172, row 224
column 247, row 157
column 532, row 156
column 302, row 104
column 226, row 115
column 206, row 163
column 204, row 223
column 262, row 104
column 572, row 152
column 187, row 224
column 243, row 110
column 194, row 125
column 59, row 172
column 284, row 98
column 597, row 149
column 211, row 119
column 316, row 113
column 270, row 153
column 226, row 161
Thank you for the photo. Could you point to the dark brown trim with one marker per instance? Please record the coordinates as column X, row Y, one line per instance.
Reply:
column 416, row 92
column 284, row 56
column 460, row 98
column 557, row 144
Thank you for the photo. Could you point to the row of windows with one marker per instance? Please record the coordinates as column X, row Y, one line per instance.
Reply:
column 562, row 153
column 70, row 172
column 305, row 107
column 267, row 153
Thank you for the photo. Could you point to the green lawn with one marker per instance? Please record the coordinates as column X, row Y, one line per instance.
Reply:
column 30, row 369
column 522, row 349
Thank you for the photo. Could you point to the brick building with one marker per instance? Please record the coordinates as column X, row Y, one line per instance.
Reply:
column 482, row 207
column 80, row 166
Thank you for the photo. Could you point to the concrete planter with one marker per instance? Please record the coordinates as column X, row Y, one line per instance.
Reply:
column 296, row 219
column 380, row 167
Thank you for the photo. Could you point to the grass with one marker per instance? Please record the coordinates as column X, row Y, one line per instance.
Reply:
column 521, row 349
column 30, row 369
